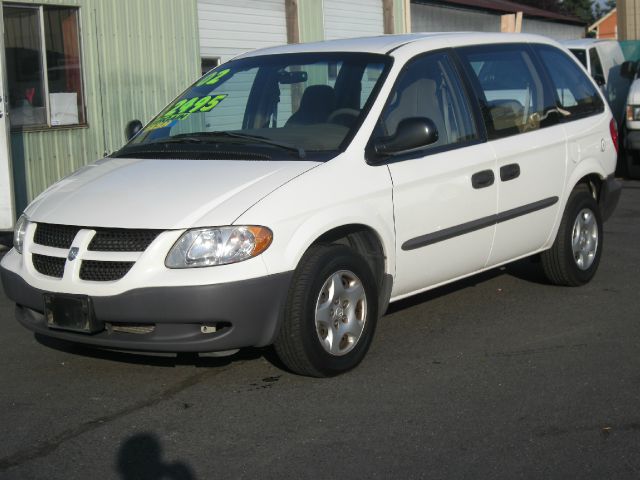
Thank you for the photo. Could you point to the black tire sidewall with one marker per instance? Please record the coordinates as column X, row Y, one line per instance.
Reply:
column 333, row 260
column 578, row 201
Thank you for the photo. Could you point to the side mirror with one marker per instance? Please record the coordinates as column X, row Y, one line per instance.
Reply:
column 132, row 129
column 628, row 69
column 412, row 134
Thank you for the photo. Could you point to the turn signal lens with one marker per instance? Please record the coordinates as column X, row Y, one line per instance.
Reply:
column 633, row 113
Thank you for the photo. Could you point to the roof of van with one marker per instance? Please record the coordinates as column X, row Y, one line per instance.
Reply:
column 385, row 43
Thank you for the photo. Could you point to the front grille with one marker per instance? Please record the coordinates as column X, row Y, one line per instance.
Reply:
column 104, row 240
column 59, row 236
column 122, row 240
column 50, row 266
column 99, row 271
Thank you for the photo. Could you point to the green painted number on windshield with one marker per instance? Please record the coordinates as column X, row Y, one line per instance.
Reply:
column 185, row 107
column 213, row 78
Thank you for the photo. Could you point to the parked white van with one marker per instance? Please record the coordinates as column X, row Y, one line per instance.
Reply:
column 290, row 194
column 603, row 60
column 599, row 57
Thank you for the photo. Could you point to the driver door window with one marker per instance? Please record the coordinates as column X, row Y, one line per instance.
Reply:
column 429, row 87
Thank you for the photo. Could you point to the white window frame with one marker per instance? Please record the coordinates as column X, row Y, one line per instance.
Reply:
column 45, row 80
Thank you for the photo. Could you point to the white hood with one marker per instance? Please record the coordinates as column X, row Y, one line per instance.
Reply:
column 161, row 194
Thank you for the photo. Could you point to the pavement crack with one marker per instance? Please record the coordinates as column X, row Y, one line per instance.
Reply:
column 44, row 448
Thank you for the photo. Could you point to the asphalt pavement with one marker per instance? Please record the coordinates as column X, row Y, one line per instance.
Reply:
column 499, row 376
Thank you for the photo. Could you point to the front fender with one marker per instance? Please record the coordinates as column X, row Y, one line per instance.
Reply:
column 342, row 192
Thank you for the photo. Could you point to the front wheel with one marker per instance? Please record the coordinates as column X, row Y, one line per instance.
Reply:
column 331, row 313
column 575, row 255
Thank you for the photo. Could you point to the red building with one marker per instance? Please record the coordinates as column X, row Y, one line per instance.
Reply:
column 607, row 26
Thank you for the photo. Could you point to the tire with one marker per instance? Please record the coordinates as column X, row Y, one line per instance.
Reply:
column 575, row 255
column 318, row 337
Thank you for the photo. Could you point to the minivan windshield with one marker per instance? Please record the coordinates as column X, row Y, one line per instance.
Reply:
column 276, row 106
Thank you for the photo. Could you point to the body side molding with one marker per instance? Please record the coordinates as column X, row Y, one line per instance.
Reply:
column 472, row 226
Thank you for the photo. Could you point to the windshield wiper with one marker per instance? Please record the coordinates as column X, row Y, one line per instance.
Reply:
column 267, row 141
column 207, row 137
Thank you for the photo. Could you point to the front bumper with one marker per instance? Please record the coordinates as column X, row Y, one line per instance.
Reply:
column 609, row 196
column 245, row 313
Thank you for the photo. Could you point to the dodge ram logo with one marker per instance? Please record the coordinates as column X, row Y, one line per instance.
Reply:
column 73, row 253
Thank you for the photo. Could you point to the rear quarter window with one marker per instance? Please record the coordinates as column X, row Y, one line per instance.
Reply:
column 575, row 92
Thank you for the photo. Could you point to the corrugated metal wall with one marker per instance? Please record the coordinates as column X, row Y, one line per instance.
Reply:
column 137, row 55
column 558, row 31
column 310, row 20
column 314, row 16
column 355, row 18
column 435, row 18
column 229, row 27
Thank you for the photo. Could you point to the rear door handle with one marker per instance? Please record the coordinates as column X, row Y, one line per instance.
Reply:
column 483, row 179
column 509, row 172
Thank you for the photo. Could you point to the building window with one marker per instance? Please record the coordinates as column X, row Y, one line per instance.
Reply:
column 42, row 49
column 209, row 63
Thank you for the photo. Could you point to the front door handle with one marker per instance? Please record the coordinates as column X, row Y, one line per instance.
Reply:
column 509, row 172
column 483, row 179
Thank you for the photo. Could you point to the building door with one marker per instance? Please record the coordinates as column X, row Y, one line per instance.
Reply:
column 7, row 213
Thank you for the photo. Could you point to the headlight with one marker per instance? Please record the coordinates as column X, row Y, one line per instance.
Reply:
column 203, row 247
column 19, row 232
column 633, row 112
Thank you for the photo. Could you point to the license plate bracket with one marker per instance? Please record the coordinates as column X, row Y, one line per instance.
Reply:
column 71, row 312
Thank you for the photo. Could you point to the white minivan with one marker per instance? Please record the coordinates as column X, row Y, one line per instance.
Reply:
column 290, row 194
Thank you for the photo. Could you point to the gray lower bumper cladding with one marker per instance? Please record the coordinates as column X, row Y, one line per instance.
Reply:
column 204, row 318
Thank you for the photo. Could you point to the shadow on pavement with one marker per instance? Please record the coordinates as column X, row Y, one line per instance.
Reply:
column 527, row 269
column 140, row 458
column 152, row 359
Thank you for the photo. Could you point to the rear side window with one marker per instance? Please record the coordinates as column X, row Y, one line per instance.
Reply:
column 511, row 91
column 575, row 92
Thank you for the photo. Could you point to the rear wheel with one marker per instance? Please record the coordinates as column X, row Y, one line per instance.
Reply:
column 331, row 313
column 575, row 255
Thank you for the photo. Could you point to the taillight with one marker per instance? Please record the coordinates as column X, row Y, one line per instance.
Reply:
column 613, row 128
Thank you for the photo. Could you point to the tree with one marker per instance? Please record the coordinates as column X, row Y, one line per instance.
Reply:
column 579, row 8
column 600, row 11
column 587, row 10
